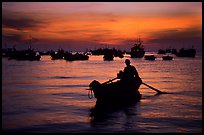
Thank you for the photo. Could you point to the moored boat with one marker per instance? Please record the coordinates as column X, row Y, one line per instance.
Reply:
column 137, row 51
column 57, row 55
column 104, row 51
column 161, row 51
column 108, row 57
column 167, row 57
column 28, row 54
column 77, row 56
column 186, row 52
column 150, row 57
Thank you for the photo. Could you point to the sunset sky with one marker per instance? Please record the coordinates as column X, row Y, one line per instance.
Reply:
column 88, row 25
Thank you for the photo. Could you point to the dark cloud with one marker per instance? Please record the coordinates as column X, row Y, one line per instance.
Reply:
column 175, row 34
column 177, row 38
column 177, row 13
column 13, row 37
column 66, row 44
column 21, row 23
column 85, row 31
column 16, row 39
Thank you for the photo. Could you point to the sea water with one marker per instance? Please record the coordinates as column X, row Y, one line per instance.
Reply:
column 51, row 96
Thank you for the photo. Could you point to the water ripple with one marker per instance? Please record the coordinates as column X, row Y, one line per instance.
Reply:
column 69, row 77
column 67, row 86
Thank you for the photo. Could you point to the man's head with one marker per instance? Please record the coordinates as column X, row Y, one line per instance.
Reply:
column 127, row 62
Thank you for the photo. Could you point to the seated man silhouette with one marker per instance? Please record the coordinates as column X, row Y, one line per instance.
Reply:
column 129, row 75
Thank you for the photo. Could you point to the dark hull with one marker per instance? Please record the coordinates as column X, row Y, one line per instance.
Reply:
column 77, row 56
column 24, row 56
column 186, row 53
column 150, row 57
column 167, row 57
column 113, row 97
column 108, row 57
column 116, row 94
column 56, row 56
column 118, row 101
column 138, row 54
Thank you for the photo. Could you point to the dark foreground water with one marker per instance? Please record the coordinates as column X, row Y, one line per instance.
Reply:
column 50, row 96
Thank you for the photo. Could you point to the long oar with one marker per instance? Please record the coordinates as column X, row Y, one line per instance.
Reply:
column 110, row 80
column 158, row 91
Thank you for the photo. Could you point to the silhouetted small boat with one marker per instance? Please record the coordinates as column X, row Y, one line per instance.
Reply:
column 99, row 51
column 186, row 53
column 119, row 55
column 45, row 53
column 167, row 57
column 174, row 51
column 116, row 93
column 57, row 55
column 28, row 54
column 108, row 57
column 71, row 57
column 150, row 57
column 160, row 51
column 8, row 52
column 79, row 56
column 103, row 51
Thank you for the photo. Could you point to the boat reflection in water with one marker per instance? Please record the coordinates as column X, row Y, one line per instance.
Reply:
column 100, row 114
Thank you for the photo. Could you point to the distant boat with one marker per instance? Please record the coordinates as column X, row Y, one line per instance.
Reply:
column 78, row 56
column 167, row 57
column 57, row 55
column 186, row 53
column 108, row 57
column 99, row 51
column 118, row 53
column 160, row 51
column 137, row 51
column 104, row 51
column 8, row 52
column 28, row 54
column 150, row 57
column 174, row 51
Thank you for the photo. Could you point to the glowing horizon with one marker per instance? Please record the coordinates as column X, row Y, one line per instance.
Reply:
column 87, row 24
